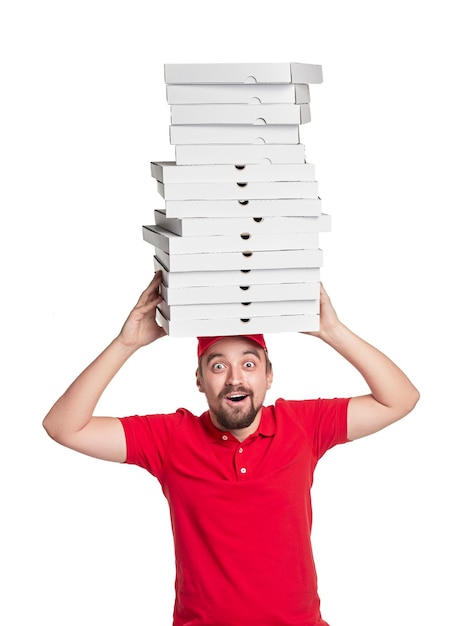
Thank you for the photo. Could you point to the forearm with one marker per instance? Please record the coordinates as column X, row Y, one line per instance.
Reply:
column 74, row 409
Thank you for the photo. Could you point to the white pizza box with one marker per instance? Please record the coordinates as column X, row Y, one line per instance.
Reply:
column 246, row 260
column 238, row 94
column 239, row 326
column 236, row 293
column 215, row 154
column 216, row 310
column 258, row 114
column 208, row 226
column 234, row 133
column 239, row 191
column 239, row 208
column 168, row 172
column 245, row 277
column 242, row 242
column 191, row 73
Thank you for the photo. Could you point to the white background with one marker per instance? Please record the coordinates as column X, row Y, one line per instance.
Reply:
column 83, row 114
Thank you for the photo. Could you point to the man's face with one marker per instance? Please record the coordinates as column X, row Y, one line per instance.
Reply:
column 234, row 377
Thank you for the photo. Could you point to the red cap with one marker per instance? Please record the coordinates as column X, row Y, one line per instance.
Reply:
column 206, row 342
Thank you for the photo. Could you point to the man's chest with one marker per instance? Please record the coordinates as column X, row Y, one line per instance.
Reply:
column 265, row 469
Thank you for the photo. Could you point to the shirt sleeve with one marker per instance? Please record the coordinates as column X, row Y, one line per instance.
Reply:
column 148, row 438
column 324, row 420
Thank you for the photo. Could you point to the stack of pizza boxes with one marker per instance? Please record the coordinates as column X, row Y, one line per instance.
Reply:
column 237, row 236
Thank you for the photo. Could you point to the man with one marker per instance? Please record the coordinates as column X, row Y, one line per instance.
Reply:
column 238, row 477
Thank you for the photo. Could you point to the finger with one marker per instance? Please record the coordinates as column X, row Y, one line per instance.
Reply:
column 152, row 287
column 157, row 278
column 151, row 304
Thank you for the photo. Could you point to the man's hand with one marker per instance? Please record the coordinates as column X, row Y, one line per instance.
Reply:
column 141, row 328
column 328, row 317
column 392, row 395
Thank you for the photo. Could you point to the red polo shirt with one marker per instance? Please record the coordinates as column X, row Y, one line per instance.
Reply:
column 241, row 512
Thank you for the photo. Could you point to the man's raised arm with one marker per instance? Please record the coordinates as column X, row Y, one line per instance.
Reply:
column 70, row 421
column 392, row 394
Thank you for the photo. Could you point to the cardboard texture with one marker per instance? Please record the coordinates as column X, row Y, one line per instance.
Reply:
column 240, row 114
column 247, row 260
column 234, row 133
column 224, row 326
column 191, row 73
column 246, row 241
column 207, row 226
column 238, row 309
column 238, row 94
column 237, row 240
column 235, row 293
column 215, row 154
column 245, row 277
column 168, row 172
column 238, row 191
column 239, row 208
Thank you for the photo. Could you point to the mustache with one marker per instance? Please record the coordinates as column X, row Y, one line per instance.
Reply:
column 229, row 389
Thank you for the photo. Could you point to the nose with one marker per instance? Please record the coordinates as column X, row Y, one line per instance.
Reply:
column 234, row 376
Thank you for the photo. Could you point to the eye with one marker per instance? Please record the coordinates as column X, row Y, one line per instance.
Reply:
column 249, row 364
column 218, row 366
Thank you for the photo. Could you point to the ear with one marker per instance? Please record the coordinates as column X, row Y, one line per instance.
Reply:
column 269, row 379
column 198, row 381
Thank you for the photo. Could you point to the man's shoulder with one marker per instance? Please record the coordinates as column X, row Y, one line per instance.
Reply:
column 283, row 404
column 310, row 409
column 284, row 410
column 180, row 417
column 163, row 427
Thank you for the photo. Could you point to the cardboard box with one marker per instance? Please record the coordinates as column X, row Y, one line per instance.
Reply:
column 214, row 154
column 234, row 133
column 254, row 325
column 240, row 114
column 238, row 309
column 239, row 208
column 246, row 241
column 247, row 260
column 235, row 293
column 168, row 172
column 238, row 191
column 208, row 226
column 241, row 73
column 225, row 278
column 238, row 94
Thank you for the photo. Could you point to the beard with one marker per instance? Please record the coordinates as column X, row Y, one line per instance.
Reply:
column 237, row 416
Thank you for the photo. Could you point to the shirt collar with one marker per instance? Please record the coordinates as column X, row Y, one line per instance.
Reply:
column 266, row 428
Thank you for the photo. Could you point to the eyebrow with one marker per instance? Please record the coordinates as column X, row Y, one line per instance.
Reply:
column 216, row 355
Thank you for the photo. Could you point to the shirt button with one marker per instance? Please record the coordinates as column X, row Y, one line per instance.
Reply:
column 243, row 470
column 224, row 437
column 240, row 450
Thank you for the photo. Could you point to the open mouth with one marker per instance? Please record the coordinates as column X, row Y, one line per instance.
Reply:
column 236, row 397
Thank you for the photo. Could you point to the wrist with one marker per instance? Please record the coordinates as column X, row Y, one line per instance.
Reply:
column 123, row 347
column 333, row 333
